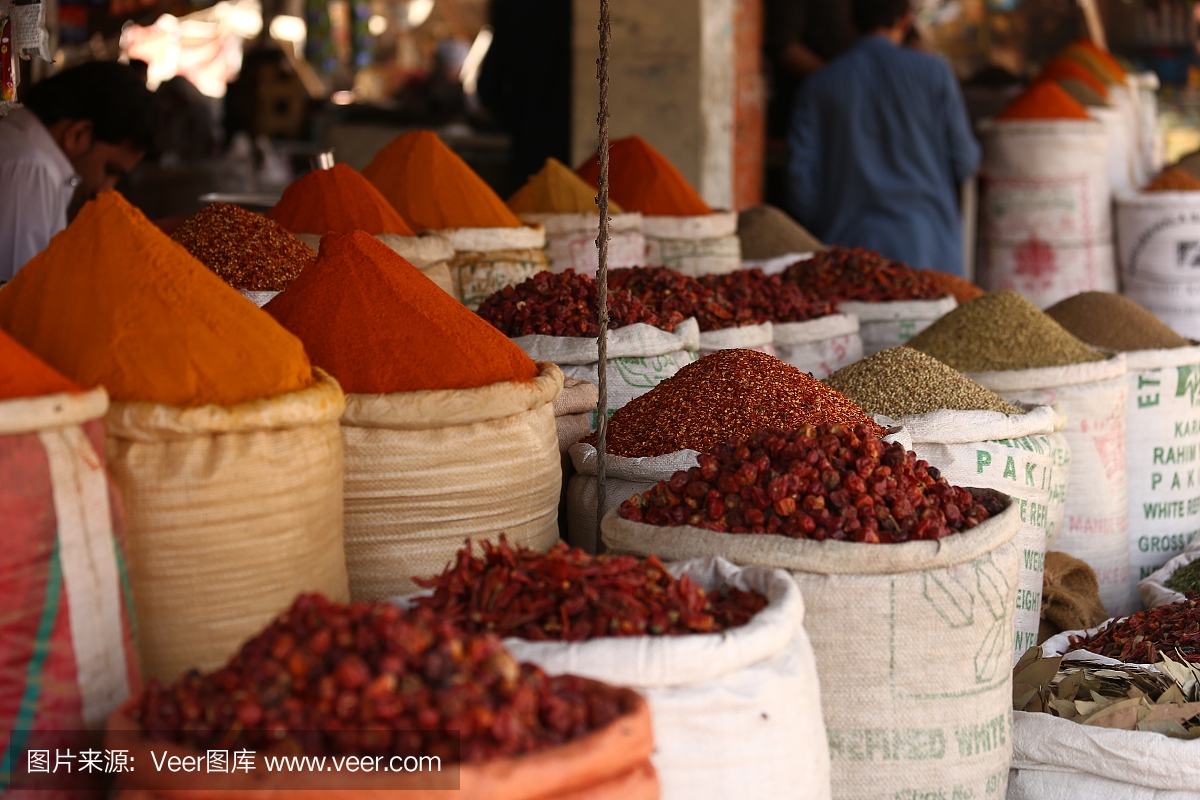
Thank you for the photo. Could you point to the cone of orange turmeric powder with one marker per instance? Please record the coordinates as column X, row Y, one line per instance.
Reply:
column 435, row 190
column 340, row 200
column 681, row 231
column 222, row 439
column 449, row 428
column 565, row 205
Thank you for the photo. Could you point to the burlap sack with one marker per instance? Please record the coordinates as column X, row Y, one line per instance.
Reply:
column 426, row 470
column 884, row 325
column 574, row 410
column 819, row 346
column 1092, row 395
column 912, row 644
column 1070, row 596
column 698, row 245
column 1011, row 454
column 736, row 713
column 232, row 512
column 571, row 240
column 488, row 259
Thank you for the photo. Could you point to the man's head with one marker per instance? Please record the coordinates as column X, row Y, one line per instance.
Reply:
column 880, row 16
column 102, row 117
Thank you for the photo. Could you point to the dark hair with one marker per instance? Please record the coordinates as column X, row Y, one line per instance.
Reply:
column 871, row 15
column 110, row 94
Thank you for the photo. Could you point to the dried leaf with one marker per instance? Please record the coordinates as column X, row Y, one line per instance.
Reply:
column 1022, row 694
column 1176, row 712
column 1122, row 715
column 1037, row 673
column 1165, row 727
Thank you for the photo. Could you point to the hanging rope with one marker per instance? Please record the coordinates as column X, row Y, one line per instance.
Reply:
column 605, row 29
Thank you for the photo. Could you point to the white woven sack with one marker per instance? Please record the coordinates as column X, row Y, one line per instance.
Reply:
column 1057, row 759
column 884, row 325
column 1176, row 303
column 426, row 470
column 716, row 225
column 574, row 410
column 1011, row 454
column 1123, row 169
column 737, row 713
column 259, row 299
column 1158, row 236
column 1162, row 444
column 86, row 546
column 640, row 357
column 478, row 275
column 1153, row 589
column 231, row 512
column 625, row 477
column 1045, row 178
column 1127, row 99
column 747, row 337
column 819, row 346
column 885, row 619
column 1151, row 143
column 490, row 240
column 1045, row 272
column 571, row 240
column 1092, row 396
column 695, row 257
column 776, row 264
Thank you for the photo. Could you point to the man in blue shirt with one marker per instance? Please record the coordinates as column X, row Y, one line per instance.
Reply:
column 878, row 142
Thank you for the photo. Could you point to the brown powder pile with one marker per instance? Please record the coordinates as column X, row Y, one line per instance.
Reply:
column 1114, row 323
column 767, row 232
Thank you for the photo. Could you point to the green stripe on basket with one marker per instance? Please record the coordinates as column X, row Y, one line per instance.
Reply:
column 127, row 593
column 23, row 723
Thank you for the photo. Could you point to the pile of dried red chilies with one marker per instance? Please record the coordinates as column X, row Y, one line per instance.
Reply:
column 569, row 595
column 1140, row 638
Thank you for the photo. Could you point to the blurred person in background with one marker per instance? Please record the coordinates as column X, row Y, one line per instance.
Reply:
column 879, row 142
column 801, row 37
column 78, row 133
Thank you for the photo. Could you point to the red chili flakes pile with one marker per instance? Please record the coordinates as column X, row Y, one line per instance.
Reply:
column 843, row 273
column 768, row 297
column 564, row 304
column 371, row 679
column 247, row 250
column 1142, row 637
column 672, row 292
column 818, row 482
column 728, row 393
column 568, row 595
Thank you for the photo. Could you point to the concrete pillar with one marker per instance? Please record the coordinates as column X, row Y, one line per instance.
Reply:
column 674, row 82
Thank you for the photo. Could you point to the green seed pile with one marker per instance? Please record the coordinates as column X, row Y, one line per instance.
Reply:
column 1186, row 579
column 1114, row 322
column 247, row 250
column 900, row 382
column 728, row 393
column 1001, row 331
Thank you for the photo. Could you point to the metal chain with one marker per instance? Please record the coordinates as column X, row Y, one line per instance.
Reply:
column 605, row 29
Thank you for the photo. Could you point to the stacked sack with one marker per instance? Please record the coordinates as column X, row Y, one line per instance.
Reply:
column 221, row 437
column 892, row 302
column 909, row 586
column 1161, row 434
column 1005, row 343
column 435, row 190
column 719, row 651
column 1046, row 225
column 68, row 658
column 552, row 317
column 565, row 206
column 340, row 200
column 974, row 437
column 681, row 231
column 449, row 428
column 1157, row 230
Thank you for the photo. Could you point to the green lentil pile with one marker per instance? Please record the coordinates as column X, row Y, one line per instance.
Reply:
column 1114, row 322
column 1186, row 579
column 1001, row 331
column 900, row 382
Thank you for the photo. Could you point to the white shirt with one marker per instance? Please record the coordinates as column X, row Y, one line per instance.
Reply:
column 36, row 185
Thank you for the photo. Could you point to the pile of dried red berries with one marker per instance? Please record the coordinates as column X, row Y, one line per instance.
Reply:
column 671, row 292
column 564, row 304
column 370, row 679
column 1172, row 630
column 844, row 273
column 817, row 482
column 568, row 595
column 768, row 298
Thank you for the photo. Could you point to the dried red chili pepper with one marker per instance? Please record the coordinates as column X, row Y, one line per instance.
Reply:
column 817, row 482
column 844, row 273
column 768, row 298
column 727, row 393
column 367, row 679
column 669, row 291
column 1141, row 637
column 564, row 304
column 568, row 595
